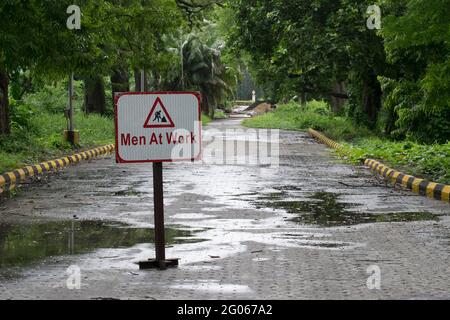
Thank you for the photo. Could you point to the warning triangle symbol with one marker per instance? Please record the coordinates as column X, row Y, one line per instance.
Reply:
column 158, row 116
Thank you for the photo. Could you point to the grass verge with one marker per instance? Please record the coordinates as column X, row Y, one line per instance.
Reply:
column 205, row 119
column 38, row 136
column 426, row 161
column 42, row 139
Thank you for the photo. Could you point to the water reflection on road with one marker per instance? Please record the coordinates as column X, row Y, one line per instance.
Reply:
column 21, row 245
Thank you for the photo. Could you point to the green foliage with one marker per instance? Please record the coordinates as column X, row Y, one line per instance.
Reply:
column 316, row 115
column 138, row 28
column 53, row 97
column 41, row 137
column 205, row 119
column 219, row 114
column 306, row 46
column 428, row 161
column 34, row 35
column 297, row 46
column 318, row 107
column 417, row 89
column 200, row 69
column 21, row 115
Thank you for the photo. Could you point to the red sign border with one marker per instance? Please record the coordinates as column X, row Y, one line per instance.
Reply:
column 122, row 94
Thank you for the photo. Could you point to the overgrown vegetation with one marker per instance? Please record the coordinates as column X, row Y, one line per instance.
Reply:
column 37, row 135
column 423, row 160
column 174, row 43
column 37, row 128
column 431, row 161
column 394, row 79
column 388, row 85
column 220, row 114
column 315, row 114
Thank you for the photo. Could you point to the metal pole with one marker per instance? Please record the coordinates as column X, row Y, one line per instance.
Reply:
column 158, row 198
column 71, row 102
column 182, row 66
column 160, row 260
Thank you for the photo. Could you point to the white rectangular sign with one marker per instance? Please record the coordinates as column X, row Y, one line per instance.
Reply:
column 158, row 127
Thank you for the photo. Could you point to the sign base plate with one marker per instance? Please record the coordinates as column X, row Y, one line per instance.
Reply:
column 154, row 264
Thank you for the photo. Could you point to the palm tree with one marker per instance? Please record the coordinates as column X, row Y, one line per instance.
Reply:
column 201, row 69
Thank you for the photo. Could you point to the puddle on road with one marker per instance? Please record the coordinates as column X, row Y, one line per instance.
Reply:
column 324, row 209
column 127, row 193
column 24, row 244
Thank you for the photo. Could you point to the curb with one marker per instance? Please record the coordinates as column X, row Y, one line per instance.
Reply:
column 422, row 187
column 13, row 177
column 322, row 138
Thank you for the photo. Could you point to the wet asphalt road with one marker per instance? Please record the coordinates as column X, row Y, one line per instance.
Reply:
column 308, row 229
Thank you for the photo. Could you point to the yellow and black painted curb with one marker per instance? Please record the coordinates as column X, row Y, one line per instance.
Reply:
column 423, row 187
column 322, row 138
column 14, row 177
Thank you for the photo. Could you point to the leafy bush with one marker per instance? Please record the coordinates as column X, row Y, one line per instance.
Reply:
column 205, row 119
column 319, row 107
column 428, row 161
column 410, row 117
column 316, row 115
column 21, row 115
column 219, row 114
column 53, row 98
column 45, row 140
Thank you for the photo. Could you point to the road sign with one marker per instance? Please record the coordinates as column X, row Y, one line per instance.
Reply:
column 160, row 115
column 158, row 127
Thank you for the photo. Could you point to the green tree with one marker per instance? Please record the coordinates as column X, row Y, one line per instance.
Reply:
column 34, row 37
column 304, row 47
column 417, row 88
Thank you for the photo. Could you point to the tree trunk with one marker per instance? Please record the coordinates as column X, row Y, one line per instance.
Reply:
column 390, row 122
column 157, row 81
column 94, row 95
column 211, row 113
column 4, row 103
column 120, row 81
column 303, row 99
column 371, row 99
column 137, row 80
column 336, row 101
column 205, row 104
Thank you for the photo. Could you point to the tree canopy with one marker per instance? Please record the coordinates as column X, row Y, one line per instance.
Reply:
column 394, row 79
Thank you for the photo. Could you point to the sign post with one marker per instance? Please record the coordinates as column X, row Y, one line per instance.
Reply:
column 158, row 127
column 71, row 135
column 158, row 195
